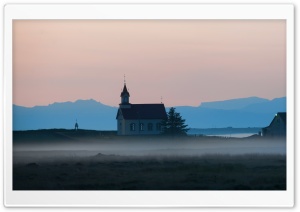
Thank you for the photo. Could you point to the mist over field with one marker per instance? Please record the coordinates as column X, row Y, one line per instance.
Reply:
column 149, row 163
column 153, row 147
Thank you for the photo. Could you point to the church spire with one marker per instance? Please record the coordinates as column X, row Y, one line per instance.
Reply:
column 125, row 94
column 125, row 91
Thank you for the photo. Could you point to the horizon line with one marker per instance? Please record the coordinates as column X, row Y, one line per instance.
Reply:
column 91, row 99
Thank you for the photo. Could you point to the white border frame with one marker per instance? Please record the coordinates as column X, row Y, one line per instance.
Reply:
column 147, row 198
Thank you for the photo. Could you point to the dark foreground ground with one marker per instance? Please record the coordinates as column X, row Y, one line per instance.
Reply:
column 90, row 160
column 108, row 172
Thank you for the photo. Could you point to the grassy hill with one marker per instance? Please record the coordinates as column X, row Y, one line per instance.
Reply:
column 60, row 134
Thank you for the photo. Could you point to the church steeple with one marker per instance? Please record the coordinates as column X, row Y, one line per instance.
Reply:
column 125, row 94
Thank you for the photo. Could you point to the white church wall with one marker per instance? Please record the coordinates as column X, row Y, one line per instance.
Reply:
column 145, row 130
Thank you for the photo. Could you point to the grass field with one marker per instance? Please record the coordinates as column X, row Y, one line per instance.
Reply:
column 109, row 172
column 149, row 163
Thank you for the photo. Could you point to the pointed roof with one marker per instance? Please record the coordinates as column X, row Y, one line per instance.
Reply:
column 125, row 91
column 281, row 115
column 144, row 111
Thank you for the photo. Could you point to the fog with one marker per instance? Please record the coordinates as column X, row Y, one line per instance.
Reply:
column 33, row 151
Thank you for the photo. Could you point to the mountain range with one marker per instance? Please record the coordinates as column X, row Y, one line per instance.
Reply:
column 90, row 114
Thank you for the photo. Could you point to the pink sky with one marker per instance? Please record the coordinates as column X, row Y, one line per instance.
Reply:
column 185, row 62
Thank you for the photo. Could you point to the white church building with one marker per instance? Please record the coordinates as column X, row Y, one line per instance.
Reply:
column 139, row 119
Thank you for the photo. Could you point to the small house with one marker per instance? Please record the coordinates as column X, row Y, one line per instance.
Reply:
column 277, row 126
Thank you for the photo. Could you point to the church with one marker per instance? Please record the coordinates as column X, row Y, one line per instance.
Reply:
column 139, row 119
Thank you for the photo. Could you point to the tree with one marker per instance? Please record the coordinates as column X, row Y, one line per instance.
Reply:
column 174, row 124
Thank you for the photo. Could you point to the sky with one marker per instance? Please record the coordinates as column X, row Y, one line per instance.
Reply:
column 178, row 62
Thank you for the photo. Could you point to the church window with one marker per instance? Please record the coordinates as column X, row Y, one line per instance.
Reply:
column 141, row 127
column 132, row 127
column 158, row 126
column 150, row 127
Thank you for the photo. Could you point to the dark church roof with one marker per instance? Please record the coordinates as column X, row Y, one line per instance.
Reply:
column 144, row 111
column 282, row 115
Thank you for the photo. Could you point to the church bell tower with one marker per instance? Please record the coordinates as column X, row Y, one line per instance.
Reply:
column 125, row 97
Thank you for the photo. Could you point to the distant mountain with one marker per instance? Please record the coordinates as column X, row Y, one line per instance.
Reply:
column 273, row 106
column 90, row 114
column 233, row 104
column 199, row 117
column 248, row 112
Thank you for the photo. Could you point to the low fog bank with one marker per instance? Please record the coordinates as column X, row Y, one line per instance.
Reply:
column 124, row 148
